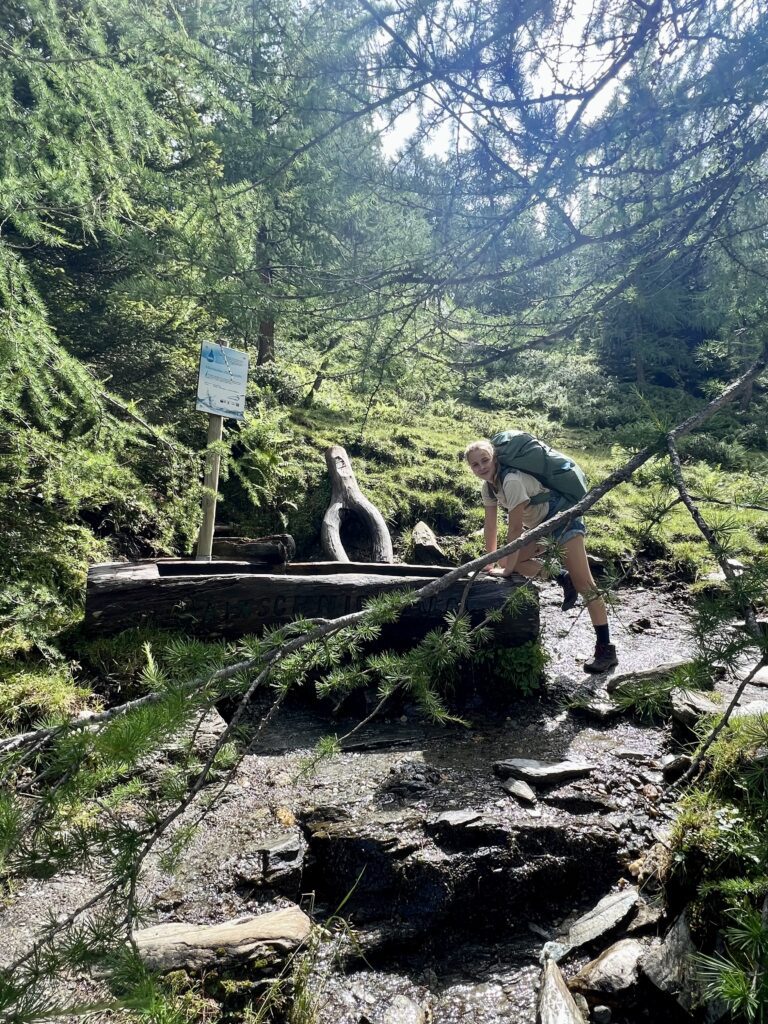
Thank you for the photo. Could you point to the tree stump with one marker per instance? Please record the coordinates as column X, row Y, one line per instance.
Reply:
column 346, row 497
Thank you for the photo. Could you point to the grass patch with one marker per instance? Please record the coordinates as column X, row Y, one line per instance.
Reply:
column 34, row 694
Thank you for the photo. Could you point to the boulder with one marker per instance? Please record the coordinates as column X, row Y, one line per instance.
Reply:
column 424, row 549
column 556, row 1004
column 615, row 970
column 689, row 706
column 541, row 772
column 669, row 964
column 656, row 674
column 269, row 939
column 675, row 765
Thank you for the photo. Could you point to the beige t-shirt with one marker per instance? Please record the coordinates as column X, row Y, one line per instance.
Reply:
column 517, row 488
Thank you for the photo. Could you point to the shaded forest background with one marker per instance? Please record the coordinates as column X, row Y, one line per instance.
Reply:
column 417, row 210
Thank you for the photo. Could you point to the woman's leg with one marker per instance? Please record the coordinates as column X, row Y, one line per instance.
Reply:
column 527, row 562
column 578, row 569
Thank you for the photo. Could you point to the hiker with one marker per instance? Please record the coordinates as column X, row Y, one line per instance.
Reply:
column 528, row 502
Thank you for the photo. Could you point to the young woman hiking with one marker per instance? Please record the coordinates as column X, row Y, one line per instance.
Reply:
column 513, row 490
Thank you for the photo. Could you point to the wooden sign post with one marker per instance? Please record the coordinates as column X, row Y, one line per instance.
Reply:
column 221, row 385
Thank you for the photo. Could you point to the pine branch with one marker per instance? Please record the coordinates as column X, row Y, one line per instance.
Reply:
column 748, row 611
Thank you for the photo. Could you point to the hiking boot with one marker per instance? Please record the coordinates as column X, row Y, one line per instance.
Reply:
column 570, row 593
column 605, row 658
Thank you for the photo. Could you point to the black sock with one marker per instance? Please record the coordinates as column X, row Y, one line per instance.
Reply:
column 562, row 578
column 603, row 634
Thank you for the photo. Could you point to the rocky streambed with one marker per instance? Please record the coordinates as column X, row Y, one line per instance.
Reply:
column 459, row 858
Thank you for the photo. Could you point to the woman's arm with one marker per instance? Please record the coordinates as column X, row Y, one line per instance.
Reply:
column 490, row 530
column 514, row 530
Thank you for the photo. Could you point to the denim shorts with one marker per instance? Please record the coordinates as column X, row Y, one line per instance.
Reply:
column 568, row 531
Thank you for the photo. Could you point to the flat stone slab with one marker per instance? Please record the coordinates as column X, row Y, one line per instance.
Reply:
column 609, row 912
column 556, row 1004
column 519, row 790
column 656, row 674
column 542, row 772
column 615, row 970
column 270, row 937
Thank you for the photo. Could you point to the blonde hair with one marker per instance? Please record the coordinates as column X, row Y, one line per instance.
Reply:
column 482, row 445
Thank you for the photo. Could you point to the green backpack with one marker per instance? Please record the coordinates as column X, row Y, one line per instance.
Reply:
column 517, row 450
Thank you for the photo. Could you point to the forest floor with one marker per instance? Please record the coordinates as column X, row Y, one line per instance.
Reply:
column 461, row 956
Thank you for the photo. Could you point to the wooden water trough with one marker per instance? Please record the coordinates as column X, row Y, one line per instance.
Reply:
column 229, row 599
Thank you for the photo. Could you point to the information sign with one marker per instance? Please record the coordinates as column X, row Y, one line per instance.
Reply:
column 222, row 381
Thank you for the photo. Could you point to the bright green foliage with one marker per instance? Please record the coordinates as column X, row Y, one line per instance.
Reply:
column 720, row 847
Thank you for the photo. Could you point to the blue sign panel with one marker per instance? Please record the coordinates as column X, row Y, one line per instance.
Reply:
column 222, row 381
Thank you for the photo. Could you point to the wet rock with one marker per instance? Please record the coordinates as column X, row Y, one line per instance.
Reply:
column 453, row 866
column 657, row 674
column 456, row 819
column 689, row 706
column 601, row 1015
column 519, row 790
column 583, row 1006
column 641, row 625
column 556, row 1004
column 615, row 970
column 277, row 862
column 424, row 547
column 674, row 766
column 542, row 772
column 635, row 756
column 403, row 1010
column 268, row 939
column 461, row 830
column 760, row 678
column 669, row 964
column 577, row 798
column 411, row 779
column 602, row 708
column 609, row 912
column 646, row 919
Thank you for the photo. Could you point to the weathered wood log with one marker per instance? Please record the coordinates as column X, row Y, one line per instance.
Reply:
column 346, row 497
column 230, row 599
column 268, row 939
column 272, row 550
